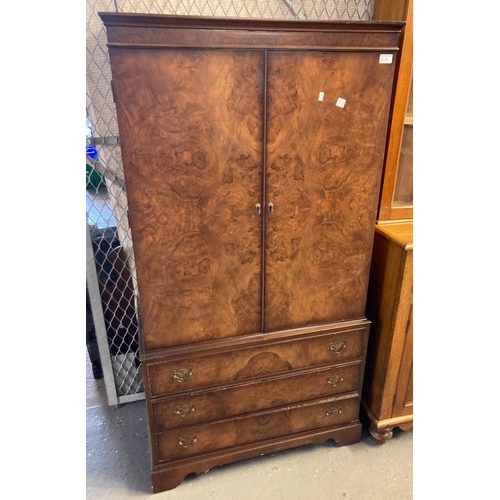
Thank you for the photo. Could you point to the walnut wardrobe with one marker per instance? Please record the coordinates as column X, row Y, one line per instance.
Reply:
column 252, row 153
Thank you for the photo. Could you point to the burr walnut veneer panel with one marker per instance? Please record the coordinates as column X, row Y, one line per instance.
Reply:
column 228, row 363
column 259, row 426
column 266, row 392
column 252, row 153
column 323, row 171
column 191, row 134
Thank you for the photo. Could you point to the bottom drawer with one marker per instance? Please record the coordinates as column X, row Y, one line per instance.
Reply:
column 194, row 440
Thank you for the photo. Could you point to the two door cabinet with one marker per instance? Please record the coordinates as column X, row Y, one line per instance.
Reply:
column 252, row 153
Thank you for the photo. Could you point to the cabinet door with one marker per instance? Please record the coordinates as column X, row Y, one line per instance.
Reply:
column 191, row 134
column 403, row 400
column 327, row 116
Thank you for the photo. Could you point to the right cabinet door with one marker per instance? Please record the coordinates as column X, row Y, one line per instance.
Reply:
column 326, row 122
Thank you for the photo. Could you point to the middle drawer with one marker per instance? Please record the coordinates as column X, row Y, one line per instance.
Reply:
column 255, row 395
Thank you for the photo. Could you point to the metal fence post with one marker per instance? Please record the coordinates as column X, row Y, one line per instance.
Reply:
column 100, row 327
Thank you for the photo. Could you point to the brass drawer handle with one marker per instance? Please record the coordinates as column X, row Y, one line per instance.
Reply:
column 184, row 410
column 181, row 375
column 187, row 441
column 335, row 380
column 336, row 347
column 333, row 411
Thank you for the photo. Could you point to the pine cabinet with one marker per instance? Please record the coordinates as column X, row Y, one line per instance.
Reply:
column 253, row 155
column 388, row 390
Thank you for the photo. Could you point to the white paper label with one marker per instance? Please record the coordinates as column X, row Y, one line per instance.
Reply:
column 321, row 95
column 341, row 102
column 385, row 59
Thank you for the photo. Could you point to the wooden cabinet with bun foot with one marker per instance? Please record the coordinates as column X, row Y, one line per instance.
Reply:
column 388, row 386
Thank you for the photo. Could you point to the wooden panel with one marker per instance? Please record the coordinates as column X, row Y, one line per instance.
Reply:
column 244, row 364
column 323, row 169
column 403, row 402
column 257, row 395
column 191, row 136
column 400, row 233
column 132, row 30
column 168, row 475
column 389, row 308
column 403, row 191
column 390, row 10
column 264, row 425
column 171, row 38
column 409, row 391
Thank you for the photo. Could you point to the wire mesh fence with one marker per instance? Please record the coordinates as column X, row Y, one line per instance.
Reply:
column 107, row 218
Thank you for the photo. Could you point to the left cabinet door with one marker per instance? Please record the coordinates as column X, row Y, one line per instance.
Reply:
column 191, row 133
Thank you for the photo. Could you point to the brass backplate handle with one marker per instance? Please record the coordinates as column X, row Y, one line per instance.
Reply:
column 336, row 347
column 335, row 380
column 181, row 375
column 187, row 441
column 333, row 411
column 184, row 410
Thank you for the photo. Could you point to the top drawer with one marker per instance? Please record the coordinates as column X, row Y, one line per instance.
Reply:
column 241, row 363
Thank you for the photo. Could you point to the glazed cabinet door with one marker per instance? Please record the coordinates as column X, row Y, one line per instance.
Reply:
column 191, row 127
column 327, row 116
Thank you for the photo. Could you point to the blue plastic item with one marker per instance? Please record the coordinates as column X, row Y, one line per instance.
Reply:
column 92, row 152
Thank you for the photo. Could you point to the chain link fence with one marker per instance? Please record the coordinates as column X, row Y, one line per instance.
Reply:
column 112, row 292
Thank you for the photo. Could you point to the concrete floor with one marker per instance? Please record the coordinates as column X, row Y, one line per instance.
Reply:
column 118, row 464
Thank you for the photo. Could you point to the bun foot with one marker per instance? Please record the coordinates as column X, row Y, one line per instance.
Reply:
column 380, row 436
column 408, row 426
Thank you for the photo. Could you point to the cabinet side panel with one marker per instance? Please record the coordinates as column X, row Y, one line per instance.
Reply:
column 327, row 116
column 191, row 135
column 383, row 300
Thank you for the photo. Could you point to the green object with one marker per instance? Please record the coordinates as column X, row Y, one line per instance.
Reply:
column 94, row 179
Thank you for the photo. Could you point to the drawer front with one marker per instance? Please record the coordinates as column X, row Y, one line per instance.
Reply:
column 254, row 396
column 169, row 377
column 195, row 440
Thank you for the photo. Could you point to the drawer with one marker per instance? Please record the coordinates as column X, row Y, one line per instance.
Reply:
column 284, row 421
column 253, row 396
column 236, row 364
